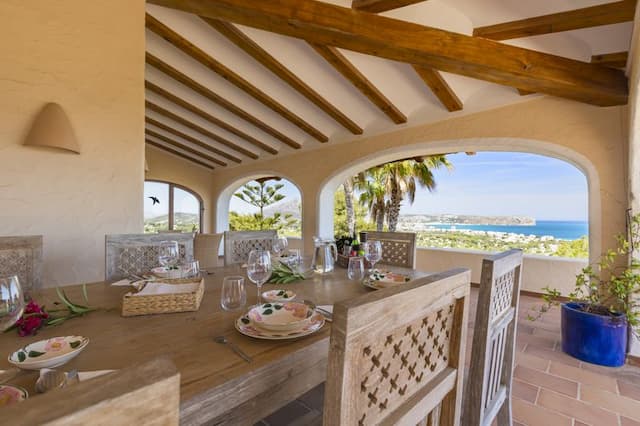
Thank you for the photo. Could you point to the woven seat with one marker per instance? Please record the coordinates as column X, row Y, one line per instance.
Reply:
column 238, row 244
column 398, row 248
column 22, row 256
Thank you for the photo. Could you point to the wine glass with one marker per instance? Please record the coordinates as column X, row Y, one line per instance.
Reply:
column 373, row 252
column 234, row 295
column 259, row 269
column 355, row 271
column 279, row 245
column 11, row 301
column 168, row 254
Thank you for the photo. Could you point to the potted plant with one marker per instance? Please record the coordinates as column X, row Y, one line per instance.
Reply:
column 603, row 309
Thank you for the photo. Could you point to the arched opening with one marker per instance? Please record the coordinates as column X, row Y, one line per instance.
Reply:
column 171, row 207
column 326, row 194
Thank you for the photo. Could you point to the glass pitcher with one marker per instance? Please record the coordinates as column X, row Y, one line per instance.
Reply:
column 325, row 254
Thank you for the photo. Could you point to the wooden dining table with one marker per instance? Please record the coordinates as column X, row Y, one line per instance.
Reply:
column 217, row 386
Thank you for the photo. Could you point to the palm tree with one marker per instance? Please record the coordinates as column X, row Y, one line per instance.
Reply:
column 372, row 187
column 347, row 186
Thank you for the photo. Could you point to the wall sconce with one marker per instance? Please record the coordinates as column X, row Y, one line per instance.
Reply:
column 52, row 129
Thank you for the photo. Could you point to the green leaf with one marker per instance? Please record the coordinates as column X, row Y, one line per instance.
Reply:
column 278, row 307
column 35, row 354
column 245, row 320
column 267, row 312
column 267, row 305
column 75, row 344
column 21, row 356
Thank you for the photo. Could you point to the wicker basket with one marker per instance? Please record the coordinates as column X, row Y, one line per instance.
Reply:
column 165, row 303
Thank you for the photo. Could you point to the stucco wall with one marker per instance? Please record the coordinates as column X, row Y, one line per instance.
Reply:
column 89, row 57
column 591, row 137
column 169, row 168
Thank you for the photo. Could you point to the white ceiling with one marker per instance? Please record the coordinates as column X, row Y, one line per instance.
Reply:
column 397, row 81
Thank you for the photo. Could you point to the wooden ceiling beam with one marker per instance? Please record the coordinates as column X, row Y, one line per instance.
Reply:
column 178, row 154
column 240, row 39
column 175, row 117
column 183, row 147
column 362, row 83
column 191, row 139
column 439, row 87
column 377, row 6
column 613, row 60
column 524, row 92
column 327, row 24
column 201, row 56
column 208, row 117
column 603, row 14
column 172, row 72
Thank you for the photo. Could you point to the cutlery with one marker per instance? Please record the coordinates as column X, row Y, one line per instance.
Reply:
column 326, row 313
column 224, row 341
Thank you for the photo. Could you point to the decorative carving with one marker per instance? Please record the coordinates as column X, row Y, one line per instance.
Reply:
column 238, row 244
column 398, row 248
column 22, row 256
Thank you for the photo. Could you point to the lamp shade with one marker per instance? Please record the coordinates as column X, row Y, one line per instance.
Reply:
column 52, row 129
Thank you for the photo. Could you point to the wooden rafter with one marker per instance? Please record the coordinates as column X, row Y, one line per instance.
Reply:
column 201, row 56
column 219, row 100
column 183, row 147
column 524, row 92
column 245, row 43
column 377, row 6
column 362, row 83
column 603, row 14
column 614, row 60
column 175, row 117
column 178, row 154
column 326, row 24
column 439, row 87
column 191, row 139
column 208, row 117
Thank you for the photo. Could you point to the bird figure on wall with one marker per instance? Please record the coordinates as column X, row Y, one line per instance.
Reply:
column 155, row 200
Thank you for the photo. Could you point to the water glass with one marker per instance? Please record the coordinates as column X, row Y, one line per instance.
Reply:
column 294, row 260
column 168, row 253
column 279, row 245
column 373, row 252
column 11, row 301
column 190, row 268
column 259, row 269
column 355, row 271
column 234, row 295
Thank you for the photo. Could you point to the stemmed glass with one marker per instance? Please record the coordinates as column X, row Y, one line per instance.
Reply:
column 279, row 245
column 373, row 252
column 168, row 254
column 11, row 301
column 259, row 269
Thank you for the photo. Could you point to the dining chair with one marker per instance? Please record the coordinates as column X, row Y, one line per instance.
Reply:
column 127, row 254
column 488, row 391
column 145, row 394
column 238, row 244
column 398, row 248
column 396, row 355
column 206, row 248
column 22, row 256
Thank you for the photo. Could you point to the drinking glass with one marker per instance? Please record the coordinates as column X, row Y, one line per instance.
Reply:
column 373, row 252
column 294, row 259
column 355, row 271
column 168, row 254
column 11, row 301
column 259, row 269
column 190, row 268
column 234, row 295
column 279, row 245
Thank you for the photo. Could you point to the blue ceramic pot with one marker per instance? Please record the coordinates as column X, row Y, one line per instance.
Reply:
column 593, row 338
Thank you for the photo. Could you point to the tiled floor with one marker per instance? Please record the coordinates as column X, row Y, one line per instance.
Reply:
column 549, row 387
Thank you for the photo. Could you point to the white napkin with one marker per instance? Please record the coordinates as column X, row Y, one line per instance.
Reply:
column 122, row 283
column 82, row 375
column 163, row 288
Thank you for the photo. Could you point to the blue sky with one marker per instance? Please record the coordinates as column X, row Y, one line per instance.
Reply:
column 497, row 183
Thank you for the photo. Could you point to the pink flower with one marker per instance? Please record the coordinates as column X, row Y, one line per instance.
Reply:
column 32, row 319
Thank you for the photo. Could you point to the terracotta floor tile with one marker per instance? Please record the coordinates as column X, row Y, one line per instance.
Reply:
column 629, row 390
column 625, row 406
column 536, row 340
column 577, row 423
column 531, row 361
column 534, row 415
column 583, row 411
column 524, row 391
column 538, row 378
column 584, row 376
column 624, row 421
column 627, row 372
column 552, row 355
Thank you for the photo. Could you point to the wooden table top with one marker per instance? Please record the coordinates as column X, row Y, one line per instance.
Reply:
column 212, row 375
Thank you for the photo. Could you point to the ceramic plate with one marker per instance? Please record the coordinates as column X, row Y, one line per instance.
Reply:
column 278, row 295
column 11, row 395
column 48, row 353
column 246, row 327
column 280, row 316
column 383, row 279
column 163, row 272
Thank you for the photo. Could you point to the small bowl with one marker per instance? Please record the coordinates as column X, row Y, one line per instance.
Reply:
column 10, row 395
column 48, row 353
column 279, row 316
column 278, row 295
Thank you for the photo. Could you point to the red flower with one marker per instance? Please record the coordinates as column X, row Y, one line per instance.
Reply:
column 32, row 319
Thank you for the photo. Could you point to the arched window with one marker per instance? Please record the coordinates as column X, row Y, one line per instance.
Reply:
column 171, row 207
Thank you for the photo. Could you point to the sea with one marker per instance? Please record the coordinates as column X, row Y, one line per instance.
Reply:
column 561, row 230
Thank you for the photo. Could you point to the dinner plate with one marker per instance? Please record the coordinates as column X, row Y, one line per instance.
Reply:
column 281, row 316
column 11, row 395
column 385, row 279
column 278, row 295
column 48, row 353
column 246, row 327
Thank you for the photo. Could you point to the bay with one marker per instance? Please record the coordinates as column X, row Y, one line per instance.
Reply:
column 562, row 230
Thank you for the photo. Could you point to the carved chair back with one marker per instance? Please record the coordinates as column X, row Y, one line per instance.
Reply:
column 488, row 392
column 396, row 356
column 398, row 248
column 22, row 256
column 238, row 244
column 127, row 254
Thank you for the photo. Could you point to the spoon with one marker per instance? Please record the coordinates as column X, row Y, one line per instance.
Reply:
column 224, row 341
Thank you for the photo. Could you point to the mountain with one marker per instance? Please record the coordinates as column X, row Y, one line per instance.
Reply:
column 284, row 207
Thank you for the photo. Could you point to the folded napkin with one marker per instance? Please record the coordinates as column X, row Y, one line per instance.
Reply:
column 155, row 288
column 122, row 283
column 82, row 375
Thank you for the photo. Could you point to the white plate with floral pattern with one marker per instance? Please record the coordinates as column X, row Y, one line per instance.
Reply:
column 281, row 317
column 278, row 295
column 10, row 395
column 48, row 353
column 383, row 279
column 245, row 326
